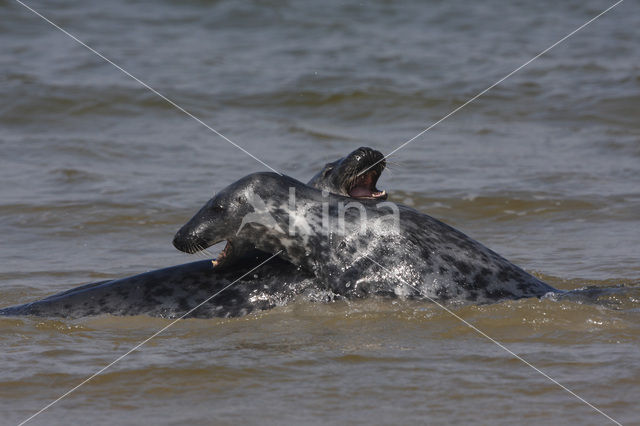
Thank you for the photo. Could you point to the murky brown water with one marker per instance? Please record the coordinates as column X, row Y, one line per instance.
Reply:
column 97, row 174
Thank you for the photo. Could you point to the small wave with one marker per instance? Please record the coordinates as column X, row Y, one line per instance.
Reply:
column 317, row 133
column 504, row 206
column 618, row 297
column 50, row 101
column 75, row 176
column 372, row 95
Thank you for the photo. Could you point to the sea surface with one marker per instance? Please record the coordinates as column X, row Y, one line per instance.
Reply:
column 97, row 173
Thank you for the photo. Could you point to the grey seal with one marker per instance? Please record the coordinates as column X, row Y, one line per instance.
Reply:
column 375, row 248
column 173, row 291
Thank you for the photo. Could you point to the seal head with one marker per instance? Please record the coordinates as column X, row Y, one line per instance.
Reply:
column 355, row 175
column 246, row 214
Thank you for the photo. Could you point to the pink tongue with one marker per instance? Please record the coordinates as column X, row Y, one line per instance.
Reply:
column 360, row 191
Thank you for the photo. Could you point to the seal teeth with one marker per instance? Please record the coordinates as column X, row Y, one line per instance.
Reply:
column 364, row 186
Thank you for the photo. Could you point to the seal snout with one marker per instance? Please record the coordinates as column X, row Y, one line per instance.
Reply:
column 181, row 243
column 187, row 241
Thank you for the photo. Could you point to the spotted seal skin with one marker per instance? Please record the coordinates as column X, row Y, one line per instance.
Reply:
column 354, row 176
column 440, row 261
column 171, row 292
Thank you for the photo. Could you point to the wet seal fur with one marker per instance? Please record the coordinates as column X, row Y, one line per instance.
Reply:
column 171, row 292
column 354, row 176
column 442, row 262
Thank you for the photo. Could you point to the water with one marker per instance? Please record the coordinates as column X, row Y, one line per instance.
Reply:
column 98, row 173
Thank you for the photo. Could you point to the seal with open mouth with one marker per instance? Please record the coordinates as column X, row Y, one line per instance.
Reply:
column 341, row 177
column 173, row 291
column 381, row 248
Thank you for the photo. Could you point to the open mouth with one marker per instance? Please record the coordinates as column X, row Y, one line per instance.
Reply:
column 222, row 256
column 364, row 186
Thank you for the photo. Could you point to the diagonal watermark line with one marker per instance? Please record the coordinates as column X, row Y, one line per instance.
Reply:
column 492, row 86
column 172, row 103
column 482, row 333
column 140, row 344
column 260, row 161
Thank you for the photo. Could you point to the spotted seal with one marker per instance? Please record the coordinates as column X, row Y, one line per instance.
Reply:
column 357, row 249
column 172, row 291
column 354, row 175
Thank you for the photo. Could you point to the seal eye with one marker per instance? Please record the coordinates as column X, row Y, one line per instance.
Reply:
column 328, row 169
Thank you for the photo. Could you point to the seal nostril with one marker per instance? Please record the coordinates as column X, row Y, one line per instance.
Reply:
column 179, row 242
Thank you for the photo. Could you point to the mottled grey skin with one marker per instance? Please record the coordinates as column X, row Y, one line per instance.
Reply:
column 354, row 175
column 440, row 261
column 173, row 291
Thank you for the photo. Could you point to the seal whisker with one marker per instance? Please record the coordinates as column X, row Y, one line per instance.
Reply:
column 199, row 252
column 205, row 253
column 195, row 249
